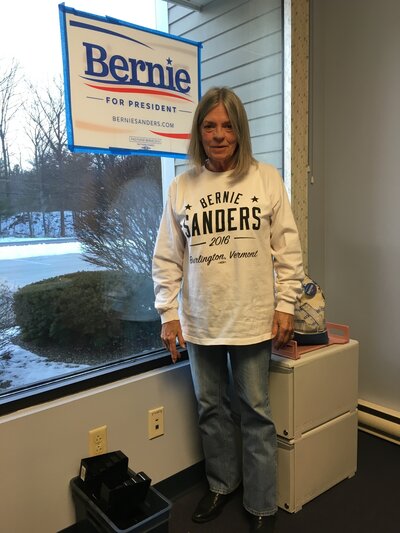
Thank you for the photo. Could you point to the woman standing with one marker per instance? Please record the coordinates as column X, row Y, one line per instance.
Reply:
column 227, row 271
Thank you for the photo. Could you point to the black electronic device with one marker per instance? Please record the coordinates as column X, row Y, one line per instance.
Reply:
column 123, row 498
column 107, row 481
column 107, row 467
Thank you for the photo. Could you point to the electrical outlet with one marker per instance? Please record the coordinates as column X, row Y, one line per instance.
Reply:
column 98, row 441
column 156, row 422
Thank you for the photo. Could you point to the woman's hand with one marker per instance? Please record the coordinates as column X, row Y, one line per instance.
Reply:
column 282, row 328
column 170, row 331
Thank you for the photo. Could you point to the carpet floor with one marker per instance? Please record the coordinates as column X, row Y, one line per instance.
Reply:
column 367, row 503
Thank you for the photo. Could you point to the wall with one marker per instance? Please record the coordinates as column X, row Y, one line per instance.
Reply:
column 354, row 215
column 297, row 33
column 242, row 48
column 41, row 447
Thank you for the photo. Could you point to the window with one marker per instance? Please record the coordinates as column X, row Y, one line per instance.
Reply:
column 77, row 230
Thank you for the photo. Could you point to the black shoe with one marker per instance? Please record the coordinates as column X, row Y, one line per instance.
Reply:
column 262, row 524
column 209, row 507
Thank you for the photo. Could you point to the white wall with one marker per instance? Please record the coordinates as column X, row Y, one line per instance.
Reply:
column 41, row 447
column 354, row 218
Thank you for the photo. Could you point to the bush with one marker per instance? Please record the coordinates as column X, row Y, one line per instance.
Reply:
column 7, row 319
column 76, row 309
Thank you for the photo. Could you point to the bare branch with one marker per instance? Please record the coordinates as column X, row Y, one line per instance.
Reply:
column 9, row 106
column 120, row 231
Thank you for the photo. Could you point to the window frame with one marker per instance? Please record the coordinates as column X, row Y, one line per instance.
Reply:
column 75, row 382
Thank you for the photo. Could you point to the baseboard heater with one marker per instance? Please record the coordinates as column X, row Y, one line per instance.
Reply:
column 379, row 421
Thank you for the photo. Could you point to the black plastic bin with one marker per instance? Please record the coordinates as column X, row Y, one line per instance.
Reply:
column 151, row 515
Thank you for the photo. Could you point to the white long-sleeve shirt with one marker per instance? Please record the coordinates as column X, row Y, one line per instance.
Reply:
column 218, row 245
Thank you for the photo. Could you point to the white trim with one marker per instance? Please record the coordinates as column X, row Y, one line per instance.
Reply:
column 161, row 11
column 377, row 423
column 167, row 163
column 167, row 173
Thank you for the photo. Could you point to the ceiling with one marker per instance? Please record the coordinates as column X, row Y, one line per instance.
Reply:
column 194, row 4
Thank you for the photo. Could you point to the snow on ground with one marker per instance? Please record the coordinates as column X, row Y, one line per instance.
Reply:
column 38, row 249
column 18, row 367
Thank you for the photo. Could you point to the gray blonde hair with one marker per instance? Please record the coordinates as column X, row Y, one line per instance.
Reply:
column 243, row 157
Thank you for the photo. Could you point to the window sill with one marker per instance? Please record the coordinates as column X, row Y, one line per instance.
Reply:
column 67, row 384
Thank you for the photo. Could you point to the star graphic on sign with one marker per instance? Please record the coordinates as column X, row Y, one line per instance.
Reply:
column 169, row 61
column 254, row 199
column 188, row 207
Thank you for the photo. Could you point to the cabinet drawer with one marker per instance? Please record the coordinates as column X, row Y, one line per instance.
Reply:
column 317, row 461
column 318, row 387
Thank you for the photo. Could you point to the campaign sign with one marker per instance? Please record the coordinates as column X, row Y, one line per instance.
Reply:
column 128, row 89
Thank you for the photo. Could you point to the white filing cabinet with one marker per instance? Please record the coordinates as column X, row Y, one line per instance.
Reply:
column 314, row 405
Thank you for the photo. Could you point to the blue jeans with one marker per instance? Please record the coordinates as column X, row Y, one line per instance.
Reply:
column 229, row 461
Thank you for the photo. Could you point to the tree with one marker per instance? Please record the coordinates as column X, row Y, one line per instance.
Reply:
column 34, row 131
column 49, row 117
column 9, row 105
column 48, row 135
column 119, row 227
